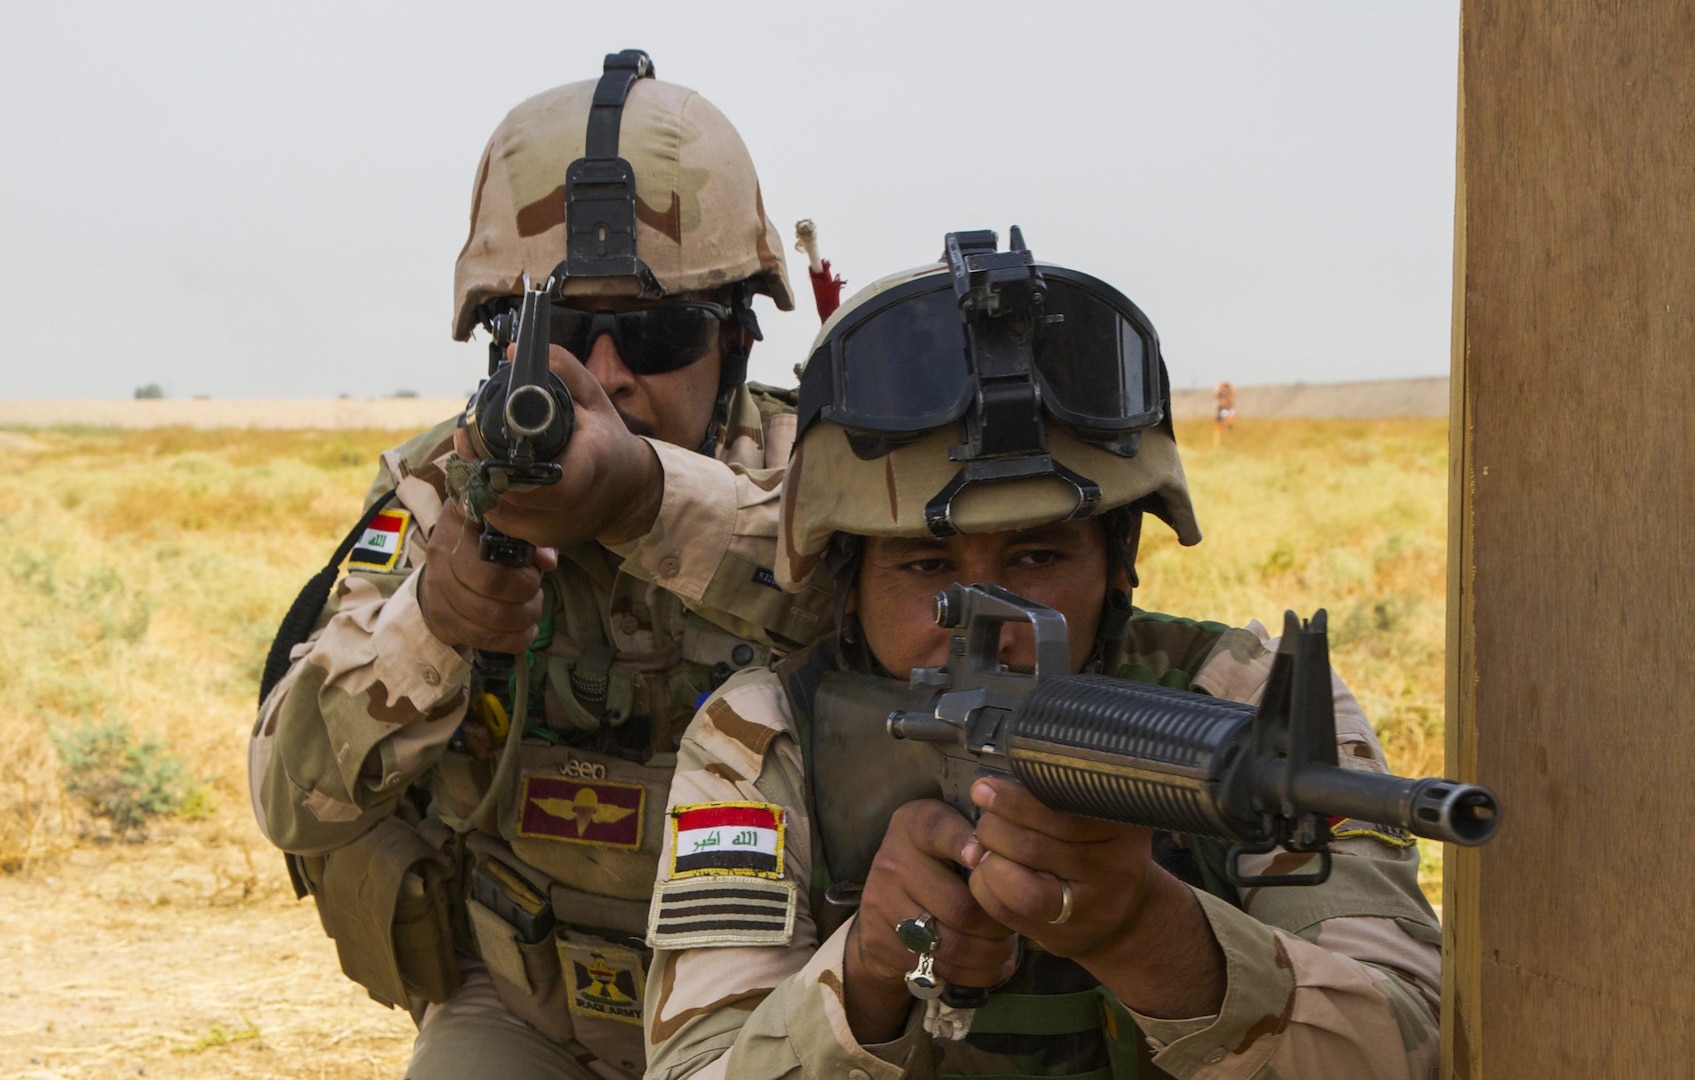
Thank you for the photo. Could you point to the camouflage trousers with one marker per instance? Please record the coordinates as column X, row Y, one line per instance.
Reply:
column 473, row 1034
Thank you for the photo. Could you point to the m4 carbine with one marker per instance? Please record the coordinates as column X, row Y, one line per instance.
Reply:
column 1171, row 760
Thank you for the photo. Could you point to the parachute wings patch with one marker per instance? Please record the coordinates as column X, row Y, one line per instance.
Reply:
column 605, row 813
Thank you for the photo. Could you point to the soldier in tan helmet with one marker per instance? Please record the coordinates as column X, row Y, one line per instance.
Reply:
column 488, row 871
column 954, row 429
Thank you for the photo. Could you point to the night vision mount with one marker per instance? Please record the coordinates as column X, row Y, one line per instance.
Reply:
column 600, row 188
column 1001, row 297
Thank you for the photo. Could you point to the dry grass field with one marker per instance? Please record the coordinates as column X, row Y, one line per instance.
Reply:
column 143, row 574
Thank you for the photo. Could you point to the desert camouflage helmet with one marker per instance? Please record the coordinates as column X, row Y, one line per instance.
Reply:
column 916, row 421
column 700, row 221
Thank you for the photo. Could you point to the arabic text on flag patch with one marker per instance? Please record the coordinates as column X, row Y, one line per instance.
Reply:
column 727, row 838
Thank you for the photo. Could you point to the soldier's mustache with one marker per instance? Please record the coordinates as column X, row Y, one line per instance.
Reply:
column 637, row 427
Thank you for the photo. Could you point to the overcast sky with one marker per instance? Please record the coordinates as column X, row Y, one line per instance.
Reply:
column 244, row 200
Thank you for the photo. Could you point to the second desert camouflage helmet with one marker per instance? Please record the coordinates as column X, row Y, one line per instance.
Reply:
column 700, row 220
column 984, row 393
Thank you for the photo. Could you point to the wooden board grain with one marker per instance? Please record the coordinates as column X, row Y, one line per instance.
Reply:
column 1572, row 686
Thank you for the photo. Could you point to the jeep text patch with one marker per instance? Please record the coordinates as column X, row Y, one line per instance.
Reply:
column 378, row 547
column 605, row 813
column 727, row 838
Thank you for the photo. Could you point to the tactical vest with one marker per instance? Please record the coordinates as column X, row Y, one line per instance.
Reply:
column 1051, row 1018
column 551, row 889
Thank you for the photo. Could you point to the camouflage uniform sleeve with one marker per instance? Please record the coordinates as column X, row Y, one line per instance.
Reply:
column 369, row 699
column 710, row 510
column 726, row 1007
column 1339, row 980
column 714, row 544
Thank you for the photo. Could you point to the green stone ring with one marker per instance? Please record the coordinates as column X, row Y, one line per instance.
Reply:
column 918, row 933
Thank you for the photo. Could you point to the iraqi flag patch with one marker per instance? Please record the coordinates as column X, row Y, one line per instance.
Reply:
column 378, row 547
column 741, row 838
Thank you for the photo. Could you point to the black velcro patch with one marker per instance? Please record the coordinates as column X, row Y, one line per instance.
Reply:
column 729, row 909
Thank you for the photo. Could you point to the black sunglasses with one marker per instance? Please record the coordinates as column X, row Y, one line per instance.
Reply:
column 651, row 341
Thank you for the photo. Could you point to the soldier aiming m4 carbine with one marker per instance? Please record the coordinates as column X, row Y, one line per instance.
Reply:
column 994, row 419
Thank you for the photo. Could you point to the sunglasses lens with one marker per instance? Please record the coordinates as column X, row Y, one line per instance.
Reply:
column 570, row 330
column 651, row 341
column 661, row 339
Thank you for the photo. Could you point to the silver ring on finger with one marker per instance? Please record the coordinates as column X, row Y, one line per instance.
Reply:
column 1064, row 903
column 919, row 935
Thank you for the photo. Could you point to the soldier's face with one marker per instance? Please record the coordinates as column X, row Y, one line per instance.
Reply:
column 674, row 406
column 1063, row 565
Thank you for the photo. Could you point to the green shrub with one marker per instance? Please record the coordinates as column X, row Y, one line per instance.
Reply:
column 120, row 777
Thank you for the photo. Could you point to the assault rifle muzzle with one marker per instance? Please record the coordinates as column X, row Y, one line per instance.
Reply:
column 521, row 417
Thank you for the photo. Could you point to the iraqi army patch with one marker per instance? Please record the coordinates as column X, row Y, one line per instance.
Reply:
column 378, row 547
column 727, row 909
column 739, row 838
column 604, row 813
column 1346, row 828
column 605, row 981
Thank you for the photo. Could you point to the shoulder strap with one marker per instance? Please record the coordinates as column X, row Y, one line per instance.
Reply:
column 801, row 674
column 297, row 624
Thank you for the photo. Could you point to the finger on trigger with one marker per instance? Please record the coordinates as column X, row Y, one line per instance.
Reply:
column 940, row 831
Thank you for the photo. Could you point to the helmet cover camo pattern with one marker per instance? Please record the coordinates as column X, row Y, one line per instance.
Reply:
column 700, row 217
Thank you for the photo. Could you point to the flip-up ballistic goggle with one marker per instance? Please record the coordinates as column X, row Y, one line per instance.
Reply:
column 1002, row 345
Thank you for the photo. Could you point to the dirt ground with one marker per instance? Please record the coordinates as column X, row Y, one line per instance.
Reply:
column 184, row 956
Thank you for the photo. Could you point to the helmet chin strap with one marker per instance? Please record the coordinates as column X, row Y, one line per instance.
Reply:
column 1123, row 531
column 732, row 370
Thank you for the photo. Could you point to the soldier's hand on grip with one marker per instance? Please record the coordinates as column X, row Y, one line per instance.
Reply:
column 1088, row 889
column 915, row 872
column 468, row 601
column 1026, row 858
column 612, row 482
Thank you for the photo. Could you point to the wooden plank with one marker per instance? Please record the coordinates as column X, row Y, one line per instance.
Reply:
column 1572, row 687
column 1461, row 945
